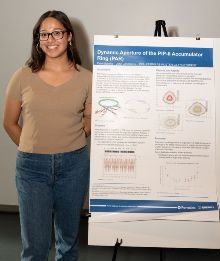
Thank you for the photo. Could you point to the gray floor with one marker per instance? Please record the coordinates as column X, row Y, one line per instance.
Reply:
column 10, row 247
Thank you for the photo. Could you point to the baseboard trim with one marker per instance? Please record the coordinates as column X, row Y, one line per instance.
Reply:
column 9, row 208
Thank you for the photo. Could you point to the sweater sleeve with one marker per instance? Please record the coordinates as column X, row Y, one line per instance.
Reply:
column 14, row 85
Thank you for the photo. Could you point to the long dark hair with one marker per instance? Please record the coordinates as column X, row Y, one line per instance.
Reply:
column 37, row 59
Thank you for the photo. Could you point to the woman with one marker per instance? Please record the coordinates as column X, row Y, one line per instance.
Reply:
column 52, row 94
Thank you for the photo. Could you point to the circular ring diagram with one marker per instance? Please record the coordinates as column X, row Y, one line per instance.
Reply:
column 197, row 109
column 108, row 105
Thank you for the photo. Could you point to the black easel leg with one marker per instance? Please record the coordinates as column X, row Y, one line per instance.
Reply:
column 162, row 254
column 117, row 245
column 160, row 24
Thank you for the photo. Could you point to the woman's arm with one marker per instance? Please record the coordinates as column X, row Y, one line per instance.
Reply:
column 87, row 119
column 12, row 112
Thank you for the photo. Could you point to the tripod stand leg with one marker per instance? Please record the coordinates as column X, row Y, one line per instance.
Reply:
column 162, row 254
column 159, row 24
column 117, row 245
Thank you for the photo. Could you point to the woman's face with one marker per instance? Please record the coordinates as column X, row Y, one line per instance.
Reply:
column 53, row 45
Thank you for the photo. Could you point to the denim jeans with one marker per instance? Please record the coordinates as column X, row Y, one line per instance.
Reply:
column 51, row 187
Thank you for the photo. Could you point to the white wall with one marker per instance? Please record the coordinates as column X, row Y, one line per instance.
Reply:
column 123, row 17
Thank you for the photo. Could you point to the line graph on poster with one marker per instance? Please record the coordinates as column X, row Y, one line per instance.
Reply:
column 119, row 163
column 171, row 176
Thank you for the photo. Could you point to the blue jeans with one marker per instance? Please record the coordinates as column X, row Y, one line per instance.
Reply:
column 51, row 187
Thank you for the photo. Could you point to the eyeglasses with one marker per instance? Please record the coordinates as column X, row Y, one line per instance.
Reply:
column 57, row 34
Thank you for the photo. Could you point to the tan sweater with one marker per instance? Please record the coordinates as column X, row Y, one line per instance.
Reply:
column 51, row 116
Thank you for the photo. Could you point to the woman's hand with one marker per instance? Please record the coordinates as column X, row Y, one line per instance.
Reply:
column 87, row 119
column 12, row 112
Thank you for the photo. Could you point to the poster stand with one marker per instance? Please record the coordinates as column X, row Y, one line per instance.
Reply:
column 162, row 254
column 161, row 24
column 117, row 245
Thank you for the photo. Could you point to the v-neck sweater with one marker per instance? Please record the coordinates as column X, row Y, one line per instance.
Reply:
column 51, row 116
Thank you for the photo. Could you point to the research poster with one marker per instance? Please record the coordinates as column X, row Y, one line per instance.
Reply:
column 153, row 129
